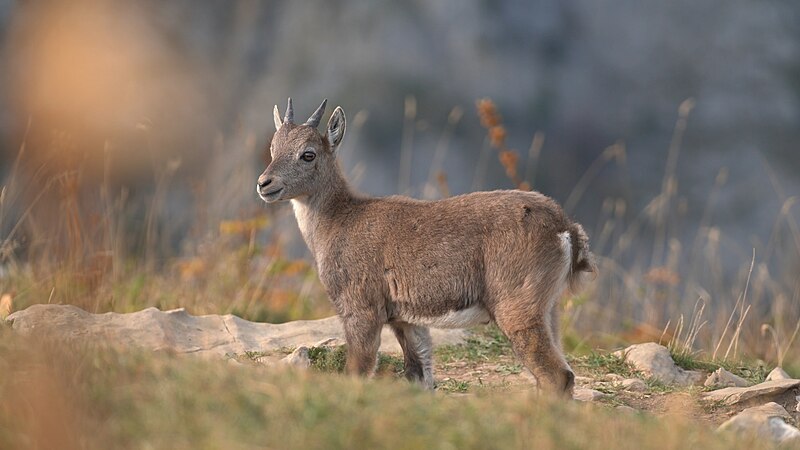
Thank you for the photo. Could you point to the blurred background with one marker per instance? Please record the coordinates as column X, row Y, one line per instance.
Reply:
column 131, row 135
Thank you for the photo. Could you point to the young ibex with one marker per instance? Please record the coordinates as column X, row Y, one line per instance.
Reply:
column 502, row 256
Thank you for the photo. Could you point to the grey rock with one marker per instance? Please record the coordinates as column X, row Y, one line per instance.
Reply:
column 181, row 332
column 759, row 393
column 654, row 361
column 298, row 358
column 722, row 378
column 767, row 421
column 613, row 377
column 778, row 374
column 633, row 385
column 587, row 395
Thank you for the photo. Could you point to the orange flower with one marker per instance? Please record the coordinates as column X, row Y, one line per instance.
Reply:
column 243, row 226
column 509, row 158
column 497, row 135
column 662, row 276
column 441, row 180
column 296, row 267
column 487, row 112
column 191, row 269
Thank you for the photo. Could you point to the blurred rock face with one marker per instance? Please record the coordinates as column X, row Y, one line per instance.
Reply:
column 154, row 82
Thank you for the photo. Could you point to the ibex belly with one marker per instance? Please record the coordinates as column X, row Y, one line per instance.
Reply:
column 435, row 302
column 462, row 318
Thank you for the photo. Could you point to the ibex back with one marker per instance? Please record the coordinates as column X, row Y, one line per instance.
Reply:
column 502, row 256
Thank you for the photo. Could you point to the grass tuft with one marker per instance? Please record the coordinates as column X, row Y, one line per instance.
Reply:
column 600, row 363
column 753, row 371
column 453, row 386
column 328, row 359
column 486, row 344
column 334, row 359
column 690, row 361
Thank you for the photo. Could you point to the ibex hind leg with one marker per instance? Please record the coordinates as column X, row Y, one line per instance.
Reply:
column 533, row 339
column 555, row 326
column 539, row 354
column 417, row 349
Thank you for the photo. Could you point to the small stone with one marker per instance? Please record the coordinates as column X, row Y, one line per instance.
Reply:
column 778, row 374
column 655, row 361
column 583, row 380
column 767, row 421
column 722, row 378
column 613, row 377
column 298, row 358
column 265, row 360
column 633, row 385
column 587, row 395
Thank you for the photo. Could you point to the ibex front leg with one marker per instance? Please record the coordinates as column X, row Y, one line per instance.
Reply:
column 363, row 337
column 417, row 348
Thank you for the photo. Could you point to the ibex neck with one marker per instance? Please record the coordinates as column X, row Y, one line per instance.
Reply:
column 312, row 210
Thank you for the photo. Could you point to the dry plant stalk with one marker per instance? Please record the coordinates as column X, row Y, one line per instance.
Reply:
column 734, row 342
column 509, row 158
column 779, row 351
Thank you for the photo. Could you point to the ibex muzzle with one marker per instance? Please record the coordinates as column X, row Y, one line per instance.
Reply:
column 501, row 256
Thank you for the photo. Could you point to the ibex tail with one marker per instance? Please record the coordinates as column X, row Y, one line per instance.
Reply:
column 583, row 262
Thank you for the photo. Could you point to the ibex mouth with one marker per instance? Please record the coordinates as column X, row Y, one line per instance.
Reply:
column 270, row 196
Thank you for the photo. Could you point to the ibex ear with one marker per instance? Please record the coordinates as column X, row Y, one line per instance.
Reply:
column 276, row 116
column 336, row 126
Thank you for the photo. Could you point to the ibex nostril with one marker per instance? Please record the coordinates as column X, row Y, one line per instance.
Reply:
column 262, row 183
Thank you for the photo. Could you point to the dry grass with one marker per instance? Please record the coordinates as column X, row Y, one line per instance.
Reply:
column 57, row 396
column 69, row 241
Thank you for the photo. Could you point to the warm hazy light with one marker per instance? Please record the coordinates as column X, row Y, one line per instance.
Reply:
column 100, row 75
column 84, row 66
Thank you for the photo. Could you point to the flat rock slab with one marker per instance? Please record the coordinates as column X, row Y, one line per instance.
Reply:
column 178, row 331
column 759, row 393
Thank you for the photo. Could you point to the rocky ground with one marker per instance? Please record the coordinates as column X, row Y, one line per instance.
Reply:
column 642, row 379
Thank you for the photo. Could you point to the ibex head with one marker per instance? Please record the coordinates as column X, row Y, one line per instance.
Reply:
column 302, row 157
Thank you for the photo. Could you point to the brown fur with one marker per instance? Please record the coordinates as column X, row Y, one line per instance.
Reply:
column 502, row 256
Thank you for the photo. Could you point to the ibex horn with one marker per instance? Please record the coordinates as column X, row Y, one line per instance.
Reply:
column 313, row 121
column 289, row 117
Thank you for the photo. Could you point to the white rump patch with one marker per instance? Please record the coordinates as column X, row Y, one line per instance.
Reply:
column 474, row 315
column 566, row 245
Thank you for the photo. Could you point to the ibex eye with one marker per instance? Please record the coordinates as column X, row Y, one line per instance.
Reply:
column 308, row 156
